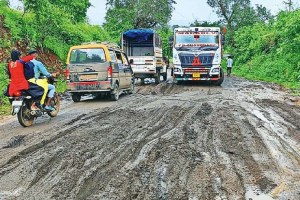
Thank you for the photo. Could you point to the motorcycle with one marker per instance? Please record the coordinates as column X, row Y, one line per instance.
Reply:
column 21, row 106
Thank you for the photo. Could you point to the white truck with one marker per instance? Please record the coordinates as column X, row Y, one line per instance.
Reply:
column 144, row 50
column 197, row 53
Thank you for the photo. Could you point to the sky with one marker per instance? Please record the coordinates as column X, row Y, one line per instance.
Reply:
column 186, row 11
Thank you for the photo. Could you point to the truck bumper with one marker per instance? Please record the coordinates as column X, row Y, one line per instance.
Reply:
column 197, row 79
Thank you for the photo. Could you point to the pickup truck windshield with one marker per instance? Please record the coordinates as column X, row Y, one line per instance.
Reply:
column 83, row 56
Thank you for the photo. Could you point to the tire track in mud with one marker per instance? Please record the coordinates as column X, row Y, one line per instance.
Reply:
column 184, row 142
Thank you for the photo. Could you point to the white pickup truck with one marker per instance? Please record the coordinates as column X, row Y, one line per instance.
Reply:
column 144, row 50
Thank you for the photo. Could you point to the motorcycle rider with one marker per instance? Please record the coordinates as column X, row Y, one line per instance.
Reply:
column 40, row 69
column 18, row 82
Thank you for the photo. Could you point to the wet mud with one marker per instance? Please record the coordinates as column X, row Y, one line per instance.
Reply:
column 166, row 141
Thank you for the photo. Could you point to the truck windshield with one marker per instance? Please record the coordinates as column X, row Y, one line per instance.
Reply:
column 197, row 39
column 83, row 56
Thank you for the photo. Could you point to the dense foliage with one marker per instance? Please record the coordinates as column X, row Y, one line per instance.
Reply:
column 51, row 29
column 236, row 14
column 76, row 8
column 128, row 14
column 270, row 51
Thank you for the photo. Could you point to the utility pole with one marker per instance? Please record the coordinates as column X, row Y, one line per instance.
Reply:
column 289, row 4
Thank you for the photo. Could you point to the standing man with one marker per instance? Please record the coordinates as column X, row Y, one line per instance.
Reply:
column 40, row 69
column 229, row 65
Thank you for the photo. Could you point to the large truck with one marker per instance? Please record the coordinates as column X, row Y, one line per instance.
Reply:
column 144, row 50
column 197, row 53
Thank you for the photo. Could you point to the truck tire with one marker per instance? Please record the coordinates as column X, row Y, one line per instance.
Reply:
column 157, row 78
column 178, row 82
column 220, row 81
column 76, row 97
column 142, row 81
column 165, row 76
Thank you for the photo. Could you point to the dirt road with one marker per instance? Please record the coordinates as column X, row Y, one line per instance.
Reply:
column 166, row 141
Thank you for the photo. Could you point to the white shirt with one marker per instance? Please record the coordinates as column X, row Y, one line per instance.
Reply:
column 229, row 62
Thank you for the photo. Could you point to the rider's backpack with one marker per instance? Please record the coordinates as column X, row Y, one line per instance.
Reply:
column 28, row 69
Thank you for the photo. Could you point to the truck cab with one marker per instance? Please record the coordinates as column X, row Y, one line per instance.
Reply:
column 197, row 53
column 144, row 50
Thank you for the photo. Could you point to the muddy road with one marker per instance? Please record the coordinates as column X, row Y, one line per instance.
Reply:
column 166, row 141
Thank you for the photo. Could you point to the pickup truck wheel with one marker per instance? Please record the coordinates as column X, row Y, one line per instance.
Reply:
column 157, row 78
column 131, row 89
column 76, row 97
column 115, row 94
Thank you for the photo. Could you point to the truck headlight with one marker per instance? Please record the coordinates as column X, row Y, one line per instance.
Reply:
column 215, row 70
column 176, row 70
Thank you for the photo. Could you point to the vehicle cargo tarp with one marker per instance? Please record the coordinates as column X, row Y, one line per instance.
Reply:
column 139, row 35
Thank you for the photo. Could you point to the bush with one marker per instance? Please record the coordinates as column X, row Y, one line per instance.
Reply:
column 270, row 52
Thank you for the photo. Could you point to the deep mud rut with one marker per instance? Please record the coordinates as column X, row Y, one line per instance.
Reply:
column 166, row 141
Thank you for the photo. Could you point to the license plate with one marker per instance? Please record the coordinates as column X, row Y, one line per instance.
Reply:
column 88, row 77
column 196, row 75
column 89, row 87
column 17, row 103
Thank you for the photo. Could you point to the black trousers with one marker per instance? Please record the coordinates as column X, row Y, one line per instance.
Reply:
column 228, row 71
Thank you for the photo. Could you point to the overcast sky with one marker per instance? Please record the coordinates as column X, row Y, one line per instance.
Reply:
column 186, row 11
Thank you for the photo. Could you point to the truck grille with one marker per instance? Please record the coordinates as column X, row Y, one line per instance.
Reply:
column 187, row 59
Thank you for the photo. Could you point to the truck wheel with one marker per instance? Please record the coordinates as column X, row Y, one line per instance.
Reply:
column 220, row 81
column 157, row 78
column 178, row 82
column 165, row 76
column 115, row 93
column 142, row 81
column 76, row 97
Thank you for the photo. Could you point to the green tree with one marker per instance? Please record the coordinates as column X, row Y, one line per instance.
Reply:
column 77, row 9
column 197, row 23
column 4, row 3
column 125, row 14
column 239, row 13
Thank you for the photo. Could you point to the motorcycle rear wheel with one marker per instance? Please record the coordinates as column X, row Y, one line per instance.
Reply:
column 55, row 103
column 24, row 116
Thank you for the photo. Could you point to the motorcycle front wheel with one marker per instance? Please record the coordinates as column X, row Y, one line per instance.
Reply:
column 55, row 103
column 24, row 116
